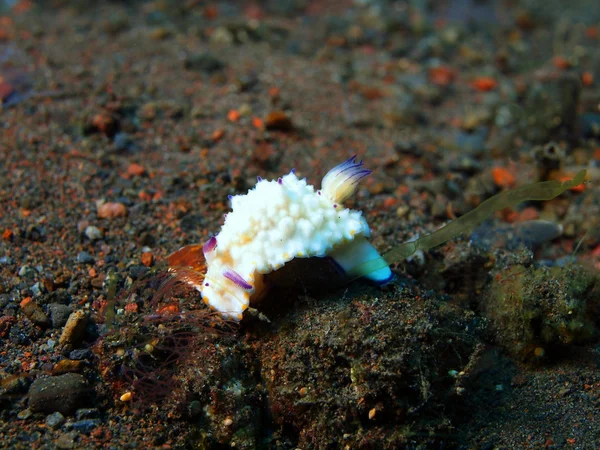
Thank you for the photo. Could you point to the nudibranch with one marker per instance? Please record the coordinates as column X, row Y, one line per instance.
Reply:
column 275, row 222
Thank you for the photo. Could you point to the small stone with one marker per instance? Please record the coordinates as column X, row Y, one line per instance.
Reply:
column 85, row 258
column 87, row 413
column 55, row 420
column 6, row 260
column 228, row 422
column 25, row 414
column 122, row 142
column 26, row 271
column 67, row 440
column 402, row 211
column 74, row 328
column 63, row 393
column 203, row 62
column 37, row 289
column 126, row 397
column 147, row 259
column 137, row 271
column 93, row 233
column 111, row 210
column 59, row 314
column 372, row 413
column 278, row 120
column 80, row 354
column 82, row 225
column 67, row 366
column 84, row 426
column 34, row 312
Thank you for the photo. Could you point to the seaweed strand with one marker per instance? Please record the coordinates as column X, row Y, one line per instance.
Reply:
column 545, row 190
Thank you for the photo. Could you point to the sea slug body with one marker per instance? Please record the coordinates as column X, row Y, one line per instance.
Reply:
column 275, row 222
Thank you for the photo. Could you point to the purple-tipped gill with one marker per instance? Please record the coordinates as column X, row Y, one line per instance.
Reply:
column 232, row 275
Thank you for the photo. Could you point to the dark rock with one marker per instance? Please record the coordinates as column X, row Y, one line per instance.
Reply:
column 136, row 272
column 84, row 426
column 204, row 62
column 80, row 354
column 87, row 413
column 85, row 258
column 63, row 393
column 59, row 314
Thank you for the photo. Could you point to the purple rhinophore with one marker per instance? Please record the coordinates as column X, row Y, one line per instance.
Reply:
column 232, row 275
column 206, row 284
column 352, row 170
column 293, row 171
column 319, row 192
column 259, row 178
column 357, row 175
column 229, row 197
column 210, row 245
column 279, row 180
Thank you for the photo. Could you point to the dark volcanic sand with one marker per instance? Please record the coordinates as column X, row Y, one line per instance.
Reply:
column 164, row 108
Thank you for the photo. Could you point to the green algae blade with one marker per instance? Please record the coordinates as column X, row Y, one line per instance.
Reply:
column 545, row 190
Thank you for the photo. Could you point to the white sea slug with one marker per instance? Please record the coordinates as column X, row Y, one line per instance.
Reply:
column 272, row 224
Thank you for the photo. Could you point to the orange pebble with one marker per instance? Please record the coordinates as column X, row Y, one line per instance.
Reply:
column 503, row 177
column 561, row 62
column 7, row 235
column 485, row 84
column 389, row 202
column 587, row 78
column 233, row 115
column 217, row 135
column 441, row 75
column 110, row 210
column 147, row 259
column 135, row 169
column 258, row 123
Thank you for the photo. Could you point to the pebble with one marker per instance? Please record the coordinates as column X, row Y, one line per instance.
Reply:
column 87, row 413
column 85, row 258
column 111, row 210
column 203, row 62
column 55, row 420
column 84, row 426
column 26, row 271
column 94, row 233
column 25, row 414
column 63, row 393
column 67, row 366
column 34, row 312
column 278, row 120
column 37, row 289
column 67, row 440
column 123, row 142
column 6, row 260
column 59, row 314
column 80, row 354
column 74, row 328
